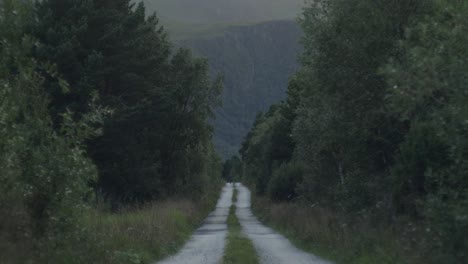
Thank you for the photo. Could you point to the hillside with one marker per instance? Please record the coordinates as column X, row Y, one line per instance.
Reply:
column 254, row 44
column 256, row 62
column 187, row 19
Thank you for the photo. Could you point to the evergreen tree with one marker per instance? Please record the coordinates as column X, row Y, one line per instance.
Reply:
column 160, row 102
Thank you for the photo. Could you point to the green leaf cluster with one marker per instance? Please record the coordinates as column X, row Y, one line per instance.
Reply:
column 44, row 171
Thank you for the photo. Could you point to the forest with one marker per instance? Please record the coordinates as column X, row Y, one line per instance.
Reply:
column 97, row 109
column 106, row 135
column 373, row 135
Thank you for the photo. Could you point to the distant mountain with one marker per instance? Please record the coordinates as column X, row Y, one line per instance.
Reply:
column 253, row 43
column 256, row 62
column 189, row 18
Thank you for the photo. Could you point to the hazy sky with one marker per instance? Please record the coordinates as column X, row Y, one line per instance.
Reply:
column 224, row 11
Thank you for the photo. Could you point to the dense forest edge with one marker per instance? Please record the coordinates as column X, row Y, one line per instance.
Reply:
column 366, row 161
column 106, row 152
column 105, row 144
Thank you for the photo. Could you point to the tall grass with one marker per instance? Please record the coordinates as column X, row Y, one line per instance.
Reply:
column 144, row 235
column 347, row 241
column 132, row 235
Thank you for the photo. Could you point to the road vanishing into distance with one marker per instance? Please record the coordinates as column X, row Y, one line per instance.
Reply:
column 206, row 246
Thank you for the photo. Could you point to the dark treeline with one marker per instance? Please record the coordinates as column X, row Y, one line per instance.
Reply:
column 95, row 102
column 375, row 122
column 156, row 138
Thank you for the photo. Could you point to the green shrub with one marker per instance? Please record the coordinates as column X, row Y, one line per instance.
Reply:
column 45, row 173
column 284, row 182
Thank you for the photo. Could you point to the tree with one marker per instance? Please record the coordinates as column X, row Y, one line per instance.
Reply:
column 63, row 31
column 268, row 145
column 160, row 101
column 232, row 169
column 427, row 90
column 343, row 132
column 44, row 171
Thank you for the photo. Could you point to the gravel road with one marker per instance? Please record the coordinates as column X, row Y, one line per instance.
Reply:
column 206, row 246
column 272, row 248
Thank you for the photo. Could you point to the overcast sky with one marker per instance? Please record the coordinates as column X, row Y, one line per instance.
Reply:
column 224, row 11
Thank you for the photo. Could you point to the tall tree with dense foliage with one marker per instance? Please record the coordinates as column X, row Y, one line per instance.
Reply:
column 160, row 100
column 428, row 92
column 379, row 127
column 44, row 170
column 92, row 96
column 344, row 133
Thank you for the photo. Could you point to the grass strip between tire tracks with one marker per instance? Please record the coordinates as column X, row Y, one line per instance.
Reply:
column 239, row 249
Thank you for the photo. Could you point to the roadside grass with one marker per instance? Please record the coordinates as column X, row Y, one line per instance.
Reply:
column 142, row 236
column 321, row 232
column 239, row 249
column 130, row 236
